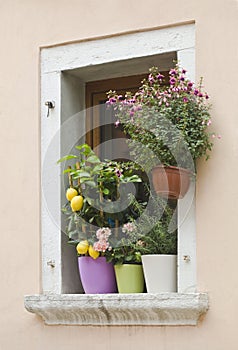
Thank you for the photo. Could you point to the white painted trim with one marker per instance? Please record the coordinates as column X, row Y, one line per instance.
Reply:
column 93, row 53
column 117, row 48
column 187, row 243
column 50, row 183
column 187, row 276
column 169, row 309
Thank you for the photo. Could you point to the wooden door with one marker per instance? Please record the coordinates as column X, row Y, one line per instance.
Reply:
column 100, row 121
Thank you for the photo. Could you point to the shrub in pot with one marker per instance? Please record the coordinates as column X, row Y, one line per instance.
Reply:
column 158, row 247
column 172, row 121
column 126, row 258
column 94, row 213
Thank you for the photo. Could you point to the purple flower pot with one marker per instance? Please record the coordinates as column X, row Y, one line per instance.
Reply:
column 97, row 275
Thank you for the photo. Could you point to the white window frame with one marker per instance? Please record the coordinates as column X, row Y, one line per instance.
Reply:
column 55, row 61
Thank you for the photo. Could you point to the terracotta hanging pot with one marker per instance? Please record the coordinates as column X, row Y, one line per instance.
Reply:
column 170, row 182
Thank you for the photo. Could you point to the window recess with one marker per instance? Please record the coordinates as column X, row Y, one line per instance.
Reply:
column 64, row 81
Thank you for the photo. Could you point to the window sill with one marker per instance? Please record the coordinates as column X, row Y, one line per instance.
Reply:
column 170, row 309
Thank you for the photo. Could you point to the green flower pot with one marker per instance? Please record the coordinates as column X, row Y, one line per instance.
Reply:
column 130, row 278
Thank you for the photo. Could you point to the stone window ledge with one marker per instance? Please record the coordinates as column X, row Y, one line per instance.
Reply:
column 172, row 309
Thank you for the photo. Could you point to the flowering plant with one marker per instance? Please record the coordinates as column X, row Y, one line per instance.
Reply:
column 158, row 236
column 153, row 232
column 127, row 249
column 94, row 247
column 97, row 198
column 171, row 119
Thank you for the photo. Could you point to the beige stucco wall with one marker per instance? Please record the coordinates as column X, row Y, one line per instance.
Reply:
column 27, row 25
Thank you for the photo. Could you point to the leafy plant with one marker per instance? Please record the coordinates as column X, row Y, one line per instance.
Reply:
column 171, row 120
column 126, row 249
column 153, row 232
column 103, row 186
column 157, row 227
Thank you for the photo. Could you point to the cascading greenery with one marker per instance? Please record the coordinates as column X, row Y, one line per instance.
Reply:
column 172, row 120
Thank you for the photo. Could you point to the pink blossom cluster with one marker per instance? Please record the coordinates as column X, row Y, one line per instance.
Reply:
column 128, row 227
column 179, row 86
column 118, row 172
column 102, row 235
column 179, row 100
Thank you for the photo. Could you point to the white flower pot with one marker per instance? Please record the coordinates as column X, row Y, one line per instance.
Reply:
column 160, row 272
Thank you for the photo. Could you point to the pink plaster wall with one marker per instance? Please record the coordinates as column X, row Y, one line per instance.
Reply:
column 27, row 25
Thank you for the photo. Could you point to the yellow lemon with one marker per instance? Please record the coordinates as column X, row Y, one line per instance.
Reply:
column 77, row 203
column 71, row 193
column 82, row 247
column 93, row 253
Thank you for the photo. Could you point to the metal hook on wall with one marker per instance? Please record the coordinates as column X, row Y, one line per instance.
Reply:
column 50, row 105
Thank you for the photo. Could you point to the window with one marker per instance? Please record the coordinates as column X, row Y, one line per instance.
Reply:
column 64, row 81
column 96, row 97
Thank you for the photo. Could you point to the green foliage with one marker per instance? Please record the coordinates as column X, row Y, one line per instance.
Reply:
column 102, row 184
column 135, row 230
column 153, row 232
column 171, row 120
column 157, row 227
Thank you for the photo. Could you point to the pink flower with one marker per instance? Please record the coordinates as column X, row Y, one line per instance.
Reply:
column 172, row 81
column 132, row 113
column 128, row 227
column 118, row 172
column 173, row 72
column 209, row 122
column 117, row 123
column 103, row 233
column 219, row 136
column 160, row 76
column 101, row 246
column 151, row 79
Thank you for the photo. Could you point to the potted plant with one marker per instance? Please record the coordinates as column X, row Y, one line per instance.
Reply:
column 172, row 121
column 157, row 234
column 96, row 200
column 126, row 258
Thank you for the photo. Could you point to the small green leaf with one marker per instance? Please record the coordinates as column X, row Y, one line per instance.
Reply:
column 67, row 171
column 69, row 156
column 89, row 200
column 106, row 191
column 84, row 146
column 93, row 159
column 72, row 242
column 97, row 168
column 83, row 173
column 133, row 178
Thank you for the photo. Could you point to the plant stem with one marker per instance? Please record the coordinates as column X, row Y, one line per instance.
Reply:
column 70, row 178
column 79, row 184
